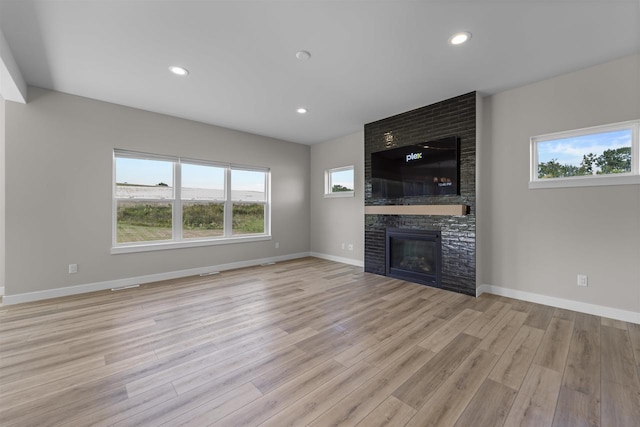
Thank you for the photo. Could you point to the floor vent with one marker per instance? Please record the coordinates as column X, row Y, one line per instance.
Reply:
column 125, row 287
column 211, row 273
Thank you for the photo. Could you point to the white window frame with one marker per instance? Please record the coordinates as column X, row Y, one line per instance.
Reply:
column 328, row 185
column 632, row 177
column 177, row 241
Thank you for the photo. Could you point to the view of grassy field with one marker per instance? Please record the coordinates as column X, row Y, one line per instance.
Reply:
column 142, row 233
column 144, row 222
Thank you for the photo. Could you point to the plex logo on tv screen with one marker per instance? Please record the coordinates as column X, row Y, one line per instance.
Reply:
column 413, row 156
column 418, row 170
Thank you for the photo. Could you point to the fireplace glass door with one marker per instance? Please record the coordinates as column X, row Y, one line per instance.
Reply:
column 414, row 255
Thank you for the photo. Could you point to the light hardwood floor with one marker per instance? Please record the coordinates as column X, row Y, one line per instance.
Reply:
column 312, row 342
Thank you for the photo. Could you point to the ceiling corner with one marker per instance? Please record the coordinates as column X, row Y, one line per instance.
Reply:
column 12, row 85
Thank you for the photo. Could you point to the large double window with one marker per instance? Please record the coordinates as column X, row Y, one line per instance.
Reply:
column 163, row 202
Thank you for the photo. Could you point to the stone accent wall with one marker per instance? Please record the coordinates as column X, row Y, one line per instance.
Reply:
column 453, row 117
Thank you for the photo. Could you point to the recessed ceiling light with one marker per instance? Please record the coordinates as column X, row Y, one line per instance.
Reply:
column 459, row 38
column 303, row 55
column 178, row 71
column 301, row 110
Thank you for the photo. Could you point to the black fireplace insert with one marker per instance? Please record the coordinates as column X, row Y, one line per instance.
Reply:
column 414, row 255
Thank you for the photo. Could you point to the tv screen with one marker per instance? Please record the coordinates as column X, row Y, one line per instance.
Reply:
column 425, row 169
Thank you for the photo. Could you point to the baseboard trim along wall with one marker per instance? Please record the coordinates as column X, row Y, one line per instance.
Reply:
column 119, row 283
column 583, row 307
column 597, row 310
column 354, row 262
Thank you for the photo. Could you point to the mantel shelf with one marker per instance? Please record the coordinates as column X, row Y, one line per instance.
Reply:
column 456, row 210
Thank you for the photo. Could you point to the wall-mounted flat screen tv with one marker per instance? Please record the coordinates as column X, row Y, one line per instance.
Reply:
column 425, row 169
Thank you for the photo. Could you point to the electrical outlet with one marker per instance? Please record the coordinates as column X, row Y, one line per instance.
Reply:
column 342, row 245
column 277, row 245
column 583, row 280
column 73, row 268
column 350, row 246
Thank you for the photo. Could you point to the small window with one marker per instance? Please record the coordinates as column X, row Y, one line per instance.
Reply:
column 339, row 182
column 603, row 155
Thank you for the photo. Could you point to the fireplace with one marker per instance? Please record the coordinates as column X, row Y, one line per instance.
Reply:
column 414, row 255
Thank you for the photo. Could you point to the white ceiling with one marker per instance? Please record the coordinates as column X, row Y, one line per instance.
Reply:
column 370, row 59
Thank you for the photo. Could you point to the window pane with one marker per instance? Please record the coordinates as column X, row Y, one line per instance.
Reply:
column 248, row 185
column 202, row 220
column 143, row 221
column 341, row 180
column 601, row 153
column 144, row 179
column 202, row 182
column 248, row 218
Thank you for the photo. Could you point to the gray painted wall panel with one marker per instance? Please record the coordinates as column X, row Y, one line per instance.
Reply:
column 59, row 179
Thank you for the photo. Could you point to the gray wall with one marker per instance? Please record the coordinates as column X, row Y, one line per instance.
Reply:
column 2, row 193
column 338, row 220
column 539, row 240
column 58, row 192
column 58, row 195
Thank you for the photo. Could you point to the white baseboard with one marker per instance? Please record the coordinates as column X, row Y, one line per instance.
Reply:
column 583, row 307
column 109, row 284
column 349, row 261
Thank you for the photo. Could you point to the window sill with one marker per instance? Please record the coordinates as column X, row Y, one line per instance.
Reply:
column 339, row 194
column 159, row 246
column 584, row 181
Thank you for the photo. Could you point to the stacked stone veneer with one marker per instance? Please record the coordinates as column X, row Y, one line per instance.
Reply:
column 453, row 117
